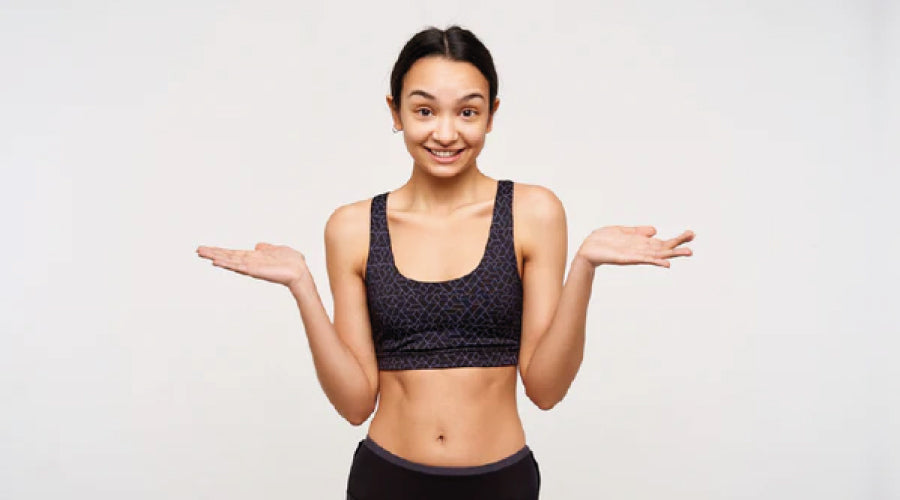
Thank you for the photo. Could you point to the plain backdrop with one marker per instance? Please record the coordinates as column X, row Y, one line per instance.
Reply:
column 133, row 132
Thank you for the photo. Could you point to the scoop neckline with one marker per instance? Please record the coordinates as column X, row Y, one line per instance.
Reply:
column 469, row 274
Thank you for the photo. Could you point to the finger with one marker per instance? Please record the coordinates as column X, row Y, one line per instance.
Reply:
column 687, row 235
column 660, row 262
column 655, row 257
column 206, row 252
column 233, row 259
column 664, row 252
column 681, row 238
column 646, row 230
column 213, row 252
column 231, row 267
column 236, row 261
column 262, row 244
column 679, row 252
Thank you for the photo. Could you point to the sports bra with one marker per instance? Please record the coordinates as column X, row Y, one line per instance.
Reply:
column 473, row 320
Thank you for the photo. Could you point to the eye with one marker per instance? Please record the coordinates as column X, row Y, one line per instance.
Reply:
column 469, row 112
column 423, row 112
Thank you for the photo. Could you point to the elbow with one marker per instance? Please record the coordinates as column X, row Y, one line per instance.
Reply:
column 543, row 402
column 542, row 397
column 360, row 415
column 547, row 407
column 545, row 398
column 546, row 394
column 358, row 418
column 356, row 422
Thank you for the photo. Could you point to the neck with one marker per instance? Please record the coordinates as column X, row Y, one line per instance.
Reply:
column 424, row 192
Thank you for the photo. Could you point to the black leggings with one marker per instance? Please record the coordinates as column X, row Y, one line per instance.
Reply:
column 378, row 474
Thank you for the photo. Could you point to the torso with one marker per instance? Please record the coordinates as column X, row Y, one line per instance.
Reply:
column 450, row 416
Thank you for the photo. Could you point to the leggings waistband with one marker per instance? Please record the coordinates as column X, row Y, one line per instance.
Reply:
column 445, row 470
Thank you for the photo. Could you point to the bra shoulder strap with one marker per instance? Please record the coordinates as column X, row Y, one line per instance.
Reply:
column 379, row 239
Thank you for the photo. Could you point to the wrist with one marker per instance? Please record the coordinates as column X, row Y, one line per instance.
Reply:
column 300, row 283
column 581, row 264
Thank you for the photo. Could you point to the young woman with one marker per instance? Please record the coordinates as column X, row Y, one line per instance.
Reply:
column 446, row 289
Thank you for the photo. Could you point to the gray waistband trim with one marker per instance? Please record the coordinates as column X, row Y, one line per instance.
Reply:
column 445, row 470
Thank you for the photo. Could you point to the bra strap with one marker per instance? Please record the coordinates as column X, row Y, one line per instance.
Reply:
column 379, row 239
column 502, row 226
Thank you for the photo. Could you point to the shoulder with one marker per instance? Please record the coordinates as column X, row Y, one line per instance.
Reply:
column 347, row 231
column 537, row 205
column 349, row 220
column 539, row 220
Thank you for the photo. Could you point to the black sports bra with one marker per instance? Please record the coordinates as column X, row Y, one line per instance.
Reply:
column 474, row 320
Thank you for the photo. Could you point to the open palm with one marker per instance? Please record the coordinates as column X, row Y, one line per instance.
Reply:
column 275, row 263
column 632, row 245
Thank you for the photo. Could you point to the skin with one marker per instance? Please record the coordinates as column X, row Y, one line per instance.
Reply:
column 439, row 221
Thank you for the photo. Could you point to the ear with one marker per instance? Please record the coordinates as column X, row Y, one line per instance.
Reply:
column 395, row 115
column 494, row 108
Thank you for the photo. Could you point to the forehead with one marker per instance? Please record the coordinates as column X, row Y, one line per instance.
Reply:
column 438, row 75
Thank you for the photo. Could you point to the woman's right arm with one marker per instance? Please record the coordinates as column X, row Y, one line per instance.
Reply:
column 343, row 352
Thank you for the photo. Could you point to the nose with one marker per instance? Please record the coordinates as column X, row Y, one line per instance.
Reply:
column 445, row 130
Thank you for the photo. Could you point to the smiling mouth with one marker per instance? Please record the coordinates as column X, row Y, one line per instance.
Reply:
column 445, row 153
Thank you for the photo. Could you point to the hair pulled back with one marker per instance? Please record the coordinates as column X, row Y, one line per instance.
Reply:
column 454, row 43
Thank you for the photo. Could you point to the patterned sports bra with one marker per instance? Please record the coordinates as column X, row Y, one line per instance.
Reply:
column 474, row 320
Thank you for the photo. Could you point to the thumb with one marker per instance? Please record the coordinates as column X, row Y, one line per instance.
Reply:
column 646, row 230
column 262, row 245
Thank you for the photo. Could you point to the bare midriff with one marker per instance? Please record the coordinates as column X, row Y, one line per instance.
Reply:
column 450, row 416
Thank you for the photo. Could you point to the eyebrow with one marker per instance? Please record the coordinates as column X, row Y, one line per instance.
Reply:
column 426, row 95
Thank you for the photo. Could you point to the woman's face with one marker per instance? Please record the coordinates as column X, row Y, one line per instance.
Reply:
column 444, row 114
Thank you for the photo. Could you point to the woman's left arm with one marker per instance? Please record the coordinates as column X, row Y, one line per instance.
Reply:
column 554, row 314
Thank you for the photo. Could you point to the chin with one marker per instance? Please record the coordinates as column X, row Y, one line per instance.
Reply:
column 445, row 171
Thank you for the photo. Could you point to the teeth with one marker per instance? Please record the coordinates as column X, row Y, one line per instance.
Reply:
column 443, row 153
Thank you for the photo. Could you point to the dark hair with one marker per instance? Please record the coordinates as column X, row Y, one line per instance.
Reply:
column 454, row 43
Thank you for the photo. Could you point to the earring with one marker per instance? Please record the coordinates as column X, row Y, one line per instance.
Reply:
column 395, row 129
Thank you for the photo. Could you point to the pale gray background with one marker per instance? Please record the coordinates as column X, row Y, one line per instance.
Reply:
column 132, row 132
